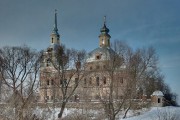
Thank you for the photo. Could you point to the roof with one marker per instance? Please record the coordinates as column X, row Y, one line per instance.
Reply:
column 157, row 93
column 104, row 53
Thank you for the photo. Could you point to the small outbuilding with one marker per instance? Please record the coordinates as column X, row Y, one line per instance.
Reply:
column 157, row 99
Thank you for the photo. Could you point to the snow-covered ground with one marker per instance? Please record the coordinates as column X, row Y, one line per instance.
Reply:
column 155, row 113
column 159, row 113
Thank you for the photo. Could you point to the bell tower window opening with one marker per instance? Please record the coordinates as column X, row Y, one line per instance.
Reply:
column 108, row 42
column 52, row 41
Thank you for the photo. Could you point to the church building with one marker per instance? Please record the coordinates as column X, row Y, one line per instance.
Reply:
column 105, row 72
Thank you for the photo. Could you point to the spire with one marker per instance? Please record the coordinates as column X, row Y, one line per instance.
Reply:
column 104, row 29
column 55, row 30
column 55, row 37
column 104, row 37
column 104, row 20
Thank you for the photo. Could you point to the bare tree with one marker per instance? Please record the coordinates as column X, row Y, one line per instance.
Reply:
column 114, row 94
column 140, row 62
column 19, row 71
column 126, row 71
column 68, row 65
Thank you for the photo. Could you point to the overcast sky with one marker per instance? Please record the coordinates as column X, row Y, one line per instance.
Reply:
column 140, row 23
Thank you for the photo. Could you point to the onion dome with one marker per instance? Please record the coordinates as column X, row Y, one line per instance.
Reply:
column 104, row 29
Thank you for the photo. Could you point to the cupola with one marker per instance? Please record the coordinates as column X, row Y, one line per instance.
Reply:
column 104, row 37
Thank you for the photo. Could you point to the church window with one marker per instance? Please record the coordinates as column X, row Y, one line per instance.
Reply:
column 47, row 97
column 52, row 82
column 98, row 57
column 104, row 80
column 159, row 100
column 48, row 62
column 90, row 81
column 65, row 82
column 47, row 82
column 97, row 81
column 61, row 81
column 52, row 97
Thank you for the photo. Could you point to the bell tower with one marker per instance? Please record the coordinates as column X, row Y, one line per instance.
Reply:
column 104, row 37
column 55, row 35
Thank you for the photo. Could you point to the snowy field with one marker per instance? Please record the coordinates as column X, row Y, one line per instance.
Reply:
column 155, row 113
column 159, row 113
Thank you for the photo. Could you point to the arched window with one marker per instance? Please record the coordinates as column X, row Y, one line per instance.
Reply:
column 52, row 40
column 48, row 62
column 47, row 82
column 76, row 81
column 52, row 97
column 90, row 81
column 52, row 82
column 98, row 57
column 104, row 80
column 47, row 97
column 121, row 80
column 97, row 81
column 65, row 82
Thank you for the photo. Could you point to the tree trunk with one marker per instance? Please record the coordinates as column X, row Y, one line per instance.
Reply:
column 126, row 112
column 112, row 117
column 62, row 110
